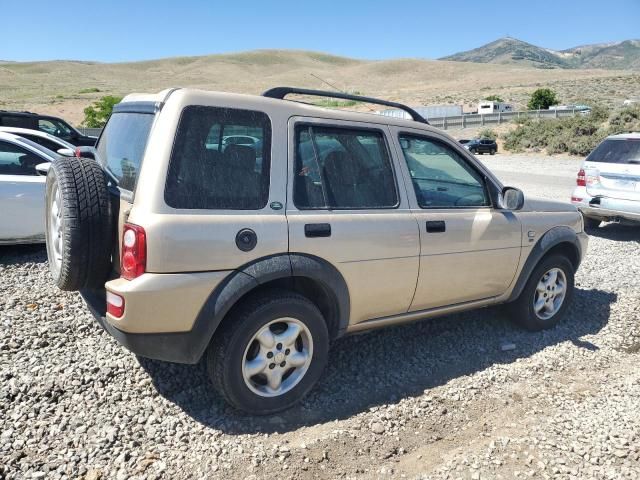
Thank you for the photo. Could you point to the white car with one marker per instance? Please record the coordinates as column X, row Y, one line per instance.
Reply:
column 23, row 166
column 47, row 140
column 608, row 184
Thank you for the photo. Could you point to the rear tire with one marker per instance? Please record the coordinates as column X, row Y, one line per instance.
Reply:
column 493, row 152
column 78, row 223
column 261, row 336
column 537, row 291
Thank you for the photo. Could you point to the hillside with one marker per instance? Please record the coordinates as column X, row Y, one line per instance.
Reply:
column 616, row 55
column 66, row 87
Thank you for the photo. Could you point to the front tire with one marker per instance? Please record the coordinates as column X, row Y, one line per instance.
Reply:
column 269, row 352
column 546, row 295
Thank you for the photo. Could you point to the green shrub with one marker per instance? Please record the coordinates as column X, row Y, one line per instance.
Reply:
column 626, row 120
column 487, row 133
column 494, row 98
column 542, row 99
column 89, row 90
column 96, row 115
column 575, row 135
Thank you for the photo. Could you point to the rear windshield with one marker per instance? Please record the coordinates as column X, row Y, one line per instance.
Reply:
column 617, row 151
column 122, row 145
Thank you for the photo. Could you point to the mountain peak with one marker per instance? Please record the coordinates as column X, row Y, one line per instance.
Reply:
column 509, row 50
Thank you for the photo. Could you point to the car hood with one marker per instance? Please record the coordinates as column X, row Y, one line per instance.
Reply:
column 532, row 204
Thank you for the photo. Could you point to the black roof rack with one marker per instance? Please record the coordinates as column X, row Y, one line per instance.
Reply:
column 281, row 92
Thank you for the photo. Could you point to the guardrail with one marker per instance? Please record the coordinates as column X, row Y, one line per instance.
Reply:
column 93, row 132
column 480, row 120
column 447, row 123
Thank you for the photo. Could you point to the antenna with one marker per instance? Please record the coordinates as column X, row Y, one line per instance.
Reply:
column 336, row 88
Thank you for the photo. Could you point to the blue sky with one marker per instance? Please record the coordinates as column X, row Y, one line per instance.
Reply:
column 127, row 30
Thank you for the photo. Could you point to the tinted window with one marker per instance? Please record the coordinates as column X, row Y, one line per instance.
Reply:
column 441, row 177
column 15, row 160
column 617, row 151
column 54, row 127
column 220, row 160
column 122, row 145
column 342, row 168
column 45, row 142
column 18, row 121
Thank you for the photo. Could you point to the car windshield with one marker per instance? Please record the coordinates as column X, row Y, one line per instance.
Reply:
column 623, row 151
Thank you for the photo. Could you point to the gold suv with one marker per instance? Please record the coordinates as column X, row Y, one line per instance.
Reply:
column 253, row 230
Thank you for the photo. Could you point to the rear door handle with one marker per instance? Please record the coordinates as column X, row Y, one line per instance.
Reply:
column 315, row 230
column 436, row 226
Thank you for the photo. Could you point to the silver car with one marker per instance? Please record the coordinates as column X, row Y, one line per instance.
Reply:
column 608, row 184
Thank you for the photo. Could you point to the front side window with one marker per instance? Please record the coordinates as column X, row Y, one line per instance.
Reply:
column 54, row 127
column 16, row 160
column 220, row 160
column 342, row 168
column 440, row 176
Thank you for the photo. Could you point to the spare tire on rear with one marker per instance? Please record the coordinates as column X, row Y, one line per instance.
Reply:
column 79, row 226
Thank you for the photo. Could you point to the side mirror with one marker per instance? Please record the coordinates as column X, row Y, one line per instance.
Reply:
column 66, row 152
column 43, row 168
column 512, row 198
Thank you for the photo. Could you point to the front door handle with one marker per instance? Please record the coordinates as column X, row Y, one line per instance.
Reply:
column 316, row 230
column 436, row 226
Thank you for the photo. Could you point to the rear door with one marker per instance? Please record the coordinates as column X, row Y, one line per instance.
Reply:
column 347, row 206
column 469, row 249
column 613, row 170
column 21, row 195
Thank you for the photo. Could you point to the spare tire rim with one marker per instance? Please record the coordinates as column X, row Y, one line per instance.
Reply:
column 277, row 357
column 550, row 294
column 56, row 226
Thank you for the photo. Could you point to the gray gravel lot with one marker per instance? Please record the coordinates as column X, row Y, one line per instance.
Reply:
column 447, row 398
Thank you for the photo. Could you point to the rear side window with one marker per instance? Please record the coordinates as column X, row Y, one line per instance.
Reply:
column 342, row 168
column 220, row 160
column 122, row 145
column 617, row 151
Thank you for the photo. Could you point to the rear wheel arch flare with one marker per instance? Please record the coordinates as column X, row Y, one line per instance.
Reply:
column 311, row 276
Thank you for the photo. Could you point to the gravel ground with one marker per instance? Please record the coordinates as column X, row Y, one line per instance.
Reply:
column 465, row 396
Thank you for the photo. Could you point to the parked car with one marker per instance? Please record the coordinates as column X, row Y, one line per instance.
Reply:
column 608, row 183
column 22, row 189
column 353, row 221
column 45, row 123
column 484, row 145
column 51, row 142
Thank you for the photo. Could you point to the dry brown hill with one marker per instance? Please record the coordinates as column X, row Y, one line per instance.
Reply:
column 56, row 86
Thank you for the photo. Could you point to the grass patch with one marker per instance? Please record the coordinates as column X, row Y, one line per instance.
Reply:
column 89, row 90
column 332, row 103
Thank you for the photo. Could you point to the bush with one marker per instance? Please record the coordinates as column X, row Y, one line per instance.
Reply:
column 494, row 98
column 96, row 115
column 542, row 99
column 487, row 133
column 576, row 135
column 89, row 90
column 626, row 120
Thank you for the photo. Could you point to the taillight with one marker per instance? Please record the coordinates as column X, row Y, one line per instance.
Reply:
column 78, row 152
column 134, row 251
column 115, row 304
column 581, row 181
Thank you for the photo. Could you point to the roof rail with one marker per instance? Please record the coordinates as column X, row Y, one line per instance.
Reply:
column 281, row 92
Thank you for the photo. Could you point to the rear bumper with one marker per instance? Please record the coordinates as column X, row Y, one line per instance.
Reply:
column 159, row 316
column 605, row 208
column 169, row 347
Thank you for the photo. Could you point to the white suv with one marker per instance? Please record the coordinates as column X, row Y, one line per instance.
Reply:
column 608, row 184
